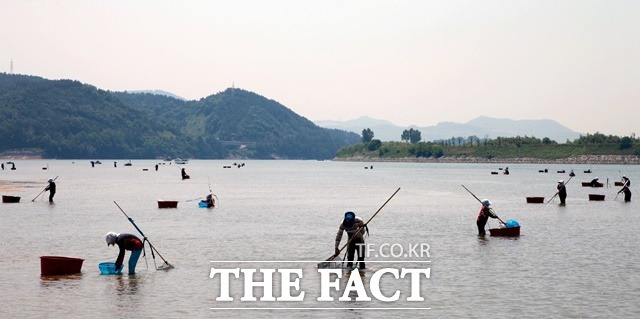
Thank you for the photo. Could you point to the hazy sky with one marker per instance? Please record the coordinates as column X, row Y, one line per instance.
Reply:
column 409, row 62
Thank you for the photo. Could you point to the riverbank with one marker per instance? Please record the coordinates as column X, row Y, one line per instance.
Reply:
column 583, row 159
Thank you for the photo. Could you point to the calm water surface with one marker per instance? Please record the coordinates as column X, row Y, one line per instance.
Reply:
column 576, row 261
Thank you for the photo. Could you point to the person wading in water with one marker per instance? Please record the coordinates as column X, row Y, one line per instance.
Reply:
column 562, row 191
column 126, row 242
column 355, row 228
column 483, row 216
column 210, row 202
column 51, row 188
column 627, row 192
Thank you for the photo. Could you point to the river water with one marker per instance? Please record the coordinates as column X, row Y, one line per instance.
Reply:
column 573, row 261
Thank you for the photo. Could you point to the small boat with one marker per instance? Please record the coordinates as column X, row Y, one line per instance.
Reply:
column 560, row 172
column 596, row 197
column 58, row 265
column 618, row 183
column 505, row 232
column 128, row 164
column 535, row 200
column 181, row 161
column 167, row 204
column 588, row 184
column 10, row 199
column 494, row 173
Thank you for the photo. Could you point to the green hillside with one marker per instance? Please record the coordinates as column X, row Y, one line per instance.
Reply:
column 68, row 119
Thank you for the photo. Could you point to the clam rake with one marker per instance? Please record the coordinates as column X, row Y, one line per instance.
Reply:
column 166, row 265
column 330, row 262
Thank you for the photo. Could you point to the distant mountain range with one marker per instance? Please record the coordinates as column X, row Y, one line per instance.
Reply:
column 481, row 127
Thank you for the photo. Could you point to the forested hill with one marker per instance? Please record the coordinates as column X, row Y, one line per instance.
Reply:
column 68, row 119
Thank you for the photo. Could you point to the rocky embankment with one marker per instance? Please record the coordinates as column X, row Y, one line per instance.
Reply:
column 583, row 159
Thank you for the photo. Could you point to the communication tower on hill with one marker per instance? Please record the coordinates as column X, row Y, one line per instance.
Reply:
column 11, row 67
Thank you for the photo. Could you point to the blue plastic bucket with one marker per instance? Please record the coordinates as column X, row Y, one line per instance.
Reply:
column 511, row 223
column 109, row 268
column 203, row 204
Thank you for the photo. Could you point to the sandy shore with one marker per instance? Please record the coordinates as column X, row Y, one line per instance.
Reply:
column 584, row 159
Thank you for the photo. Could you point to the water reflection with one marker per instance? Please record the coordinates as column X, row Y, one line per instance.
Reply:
column 57, row 281
column 127, row 286
column 483, row 240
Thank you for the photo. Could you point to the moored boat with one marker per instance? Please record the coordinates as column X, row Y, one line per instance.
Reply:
column 535, row 200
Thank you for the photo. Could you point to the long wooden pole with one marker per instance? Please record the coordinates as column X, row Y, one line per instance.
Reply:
column 359, row 229
column 556, row 194
column 625, row 184
column 43, row 190
column 490, row 209
column 168, row 266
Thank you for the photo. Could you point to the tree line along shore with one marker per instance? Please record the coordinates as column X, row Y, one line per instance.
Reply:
column 588, row 149
column 584, row 159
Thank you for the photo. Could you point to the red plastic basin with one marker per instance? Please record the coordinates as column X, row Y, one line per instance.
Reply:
column 59, row 265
